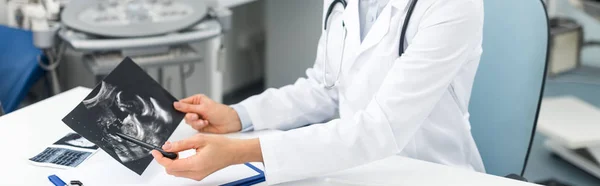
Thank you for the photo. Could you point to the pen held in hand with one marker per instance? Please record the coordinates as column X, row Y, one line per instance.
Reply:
column 170, row 155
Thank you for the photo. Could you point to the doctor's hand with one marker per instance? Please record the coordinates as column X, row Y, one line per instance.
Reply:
column 213, row 153
column 206, row 115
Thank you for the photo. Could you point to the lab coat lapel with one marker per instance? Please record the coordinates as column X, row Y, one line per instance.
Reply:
column 382, row 24
column 401, row 5
column 380, row 28
column 353, row 27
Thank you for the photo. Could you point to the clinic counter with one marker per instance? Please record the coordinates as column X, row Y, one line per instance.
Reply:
column 27, row 131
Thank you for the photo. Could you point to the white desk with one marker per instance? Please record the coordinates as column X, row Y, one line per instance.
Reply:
column 27, row 131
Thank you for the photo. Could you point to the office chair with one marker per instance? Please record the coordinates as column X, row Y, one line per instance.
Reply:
column 19, row 68
column 508, row 86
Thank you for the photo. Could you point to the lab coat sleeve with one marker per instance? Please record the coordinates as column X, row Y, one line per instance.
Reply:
column 244, row 117
column 447, row 35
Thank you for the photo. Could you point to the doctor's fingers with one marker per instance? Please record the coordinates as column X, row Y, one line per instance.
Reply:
column 195, row 121
column 190, row 108
column 195, row 175
column 195, row 99
column 160, row 159
column 199, row 126
column 193, row 142
column 170, row 165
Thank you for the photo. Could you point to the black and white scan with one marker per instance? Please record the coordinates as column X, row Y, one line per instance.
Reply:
column 132, row 115
column 77, row 141
column 130, row 102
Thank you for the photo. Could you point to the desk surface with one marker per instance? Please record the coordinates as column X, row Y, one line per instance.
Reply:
column 27, row 131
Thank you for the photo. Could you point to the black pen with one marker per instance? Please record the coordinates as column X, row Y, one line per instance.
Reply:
column 170, row 155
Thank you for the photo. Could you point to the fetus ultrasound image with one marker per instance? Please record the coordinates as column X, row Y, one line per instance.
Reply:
column 130, row 102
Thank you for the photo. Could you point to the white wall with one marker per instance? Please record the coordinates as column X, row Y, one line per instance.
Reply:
column 293, row 29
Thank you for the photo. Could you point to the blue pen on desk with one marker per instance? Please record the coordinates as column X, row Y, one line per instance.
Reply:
column 56, row 180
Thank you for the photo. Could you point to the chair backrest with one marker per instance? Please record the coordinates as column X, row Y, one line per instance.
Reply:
column 508, row 86
column 19, row 68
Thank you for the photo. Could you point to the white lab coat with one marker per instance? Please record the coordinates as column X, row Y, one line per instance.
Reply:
column 414, row 105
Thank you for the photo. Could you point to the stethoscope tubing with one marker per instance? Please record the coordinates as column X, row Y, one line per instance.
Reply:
column 401, row 48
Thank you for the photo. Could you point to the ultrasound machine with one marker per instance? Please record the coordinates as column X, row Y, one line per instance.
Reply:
column 90, row 37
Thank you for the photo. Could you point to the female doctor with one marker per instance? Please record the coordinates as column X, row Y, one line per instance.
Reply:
column 396, row 92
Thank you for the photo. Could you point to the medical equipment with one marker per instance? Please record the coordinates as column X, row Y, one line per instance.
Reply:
column 328, row 15
column 591, row 7
column 39, row 17
column 565, row 46
column 572, row 135
column 156, row 34
column 29, row 13
column 588, row 6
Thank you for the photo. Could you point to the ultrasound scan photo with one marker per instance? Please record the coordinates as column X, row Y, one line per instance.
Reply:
column 130, row 102
column 77, row 141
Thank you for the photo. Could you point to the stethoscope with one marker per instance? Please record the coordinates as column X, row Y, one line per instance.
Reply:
column 344, row 3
